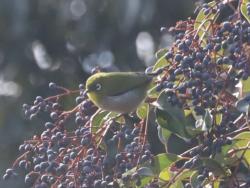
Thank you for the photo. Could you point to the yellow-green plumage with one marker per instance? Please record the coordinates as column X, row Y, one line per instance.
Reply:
column 118, row 91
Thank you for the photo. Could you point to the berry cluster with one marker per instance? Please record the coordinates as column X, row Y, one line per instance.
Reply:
column 69, row 154
column 201, row 73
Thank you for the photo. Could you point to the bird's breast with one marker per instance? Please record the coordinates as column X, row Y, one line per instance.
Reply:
column 125, row 102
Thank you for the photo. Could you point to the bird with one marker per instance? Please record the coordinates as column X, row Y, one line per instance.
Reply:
column 120, row 92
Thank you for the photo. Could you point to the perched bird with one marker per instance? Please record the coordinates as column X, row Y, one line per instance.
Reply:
column 120, row 92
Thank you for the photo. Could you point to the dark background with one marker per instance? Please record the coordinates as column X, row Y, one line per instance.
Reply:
column 61, row 41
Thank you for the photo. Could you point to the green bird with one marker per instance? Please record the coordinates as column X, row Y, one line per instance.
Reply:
column 120, row 92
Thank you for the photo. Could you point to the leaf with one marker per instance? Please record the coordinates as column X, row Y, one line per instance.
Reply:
column 194, row 181
column 162, row 161
column 165, row 121
column 177, row 184
column 246, row 86
column 243, row 140
column 203, row 21
column 145, row 171
column 177, row 145
column 163, row 134
column 214, row 166
column 243, row 9
column 142, row 111
column 97, row 120
column 208, row 120
column 216, row 184
column 218, row 118
column 152, row 92
column 170, row 117
column 160, row 53
column 165, row 174
column 205, row 122
column 161, row 63
column 185, row 174
column 159, row 162
column 243, row 104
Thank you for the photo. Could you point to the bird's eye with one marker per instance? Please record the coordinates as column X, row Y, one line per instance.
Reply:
column 98, row 87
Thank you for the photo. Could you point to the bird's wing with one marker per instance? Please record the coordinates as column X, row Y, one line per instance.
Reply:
column 123, row 82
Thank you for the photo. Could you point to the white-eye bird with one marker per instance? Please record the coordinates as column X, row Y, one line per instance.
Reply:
column 120, row 92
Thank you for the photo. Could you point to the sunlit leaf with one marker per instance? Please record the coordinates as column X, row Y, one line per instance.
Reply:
column 194, row 181
column 165, row 174
column 203, row 22
column 161, row 63
column 163, row 134
column 243, row 9
column 145, row 171
column 243, row 140
column 152, row 92
column 142, row 111
column 160, row 53
column 97, row 120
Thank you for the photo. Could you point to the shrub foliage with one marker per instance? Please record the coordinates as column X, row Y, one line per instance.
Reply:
column 197, row 108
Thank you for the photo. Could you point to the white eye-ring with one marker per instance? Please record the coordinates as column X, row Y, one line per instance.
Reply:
column 98, row 87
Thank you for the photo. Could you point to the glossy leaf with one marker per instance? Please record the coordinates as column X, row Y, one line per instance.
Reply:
column 148, row 171
column 243, row 104
column 243, row 140
column 243, row 9
column 97, row 120
column 203, row 21
column 165, row 175
column 160, row 53
column 177, row 145
column 145, row 171
column 170, row 117
column 152, row 92
column 161, row 63
column 142, row 111
column 163, row 134
column 162, row 161
column 194, row 181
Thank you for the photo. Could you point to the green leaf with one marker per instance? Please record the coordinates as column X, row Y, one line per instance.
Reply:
column 97, row 120
column 208, row 120
column 185, row 174
column 177, row 184
column 214, row 166
column 216, row 184
column 194, row 181
column 171, row 124
column 160, row 53
column 218, row 118
column 243, row 9
column 142, row 111
column 243, row 140
column 165, row 175
column 177, row 145
column 204, row 123
column 170, row 117
column 203, row 22
column 243, row 104
column 163, row 134
column 242, row 136
column 150, row 170
column 162, row 161
column 152, row 92
column 161, row 63
column 145, row 171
